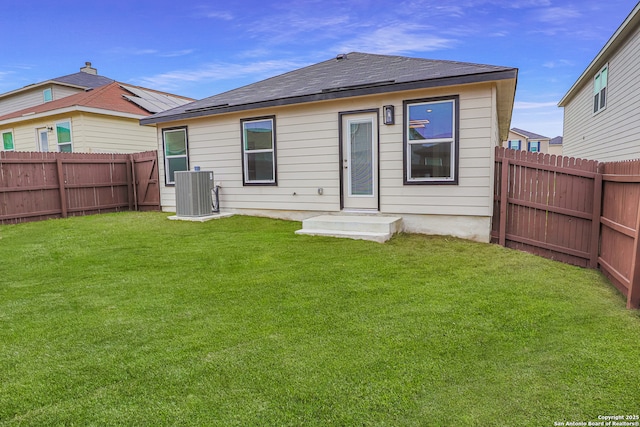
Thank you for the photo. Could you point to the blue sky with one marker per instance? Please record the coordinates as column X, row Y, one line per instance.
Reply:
column 201, row 48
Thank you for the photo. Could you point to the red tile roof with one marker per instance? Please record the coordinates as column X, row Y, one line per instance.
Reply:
column 109, row 97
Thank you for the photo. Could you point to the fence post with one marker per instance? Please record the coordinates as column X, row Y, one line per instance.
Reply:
column 633, row 293
column 131, row 185
column 504, row 186
column 62, row 187
column 595, row 220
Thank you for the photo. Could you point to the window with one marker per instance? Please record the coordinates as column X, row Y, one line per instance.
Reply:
column 7, row 140
column 258, row 151
column 47, row 95
column 600, row 89
column 63, row 132
column 534, row 146
column 175, row 153
column 431, row 141
column 515, row 144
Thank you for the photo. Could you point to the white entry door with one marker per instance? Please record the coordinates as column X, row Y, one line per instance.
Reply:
column 360, row 161
column 43, row 140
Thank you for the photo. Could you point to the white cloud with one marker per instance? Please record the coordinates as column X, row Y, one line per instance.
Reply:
column 133, row 51
column 219, row 15
column 302, row 27
column 524, row 105
column 177, row 53
column 217, row 72
column 558, row 63
column 206, row 11
column 557, row 15
column 398, row 39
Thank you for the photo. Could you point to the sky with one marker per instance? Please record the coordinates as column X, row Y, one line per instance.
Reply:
column 202, row 48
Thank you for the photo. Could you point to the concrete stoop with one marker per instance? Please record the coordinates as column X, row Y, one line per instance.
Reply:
column 362, row 227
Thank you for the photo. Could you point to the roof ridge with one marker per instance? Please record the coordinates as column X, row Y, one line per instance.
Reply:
column 529, row 134
column 351, row 74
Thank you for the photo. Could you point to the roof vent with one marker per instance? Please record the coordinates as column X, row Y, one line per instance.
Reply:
column 341, row 56
column 88, row 69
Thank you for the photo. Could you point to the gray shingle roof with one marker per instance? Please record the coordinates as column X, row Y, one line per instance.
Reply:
column 84, row 79
column 528, row 134
column 347, row 75
column 556, row 141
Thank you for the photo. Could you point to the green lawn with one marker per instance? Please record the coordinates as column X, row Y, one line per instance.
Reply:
column 132, row 319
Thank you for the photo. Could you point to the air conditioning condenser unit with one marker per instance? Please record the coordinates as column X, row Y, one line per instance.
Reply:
column 194, row 193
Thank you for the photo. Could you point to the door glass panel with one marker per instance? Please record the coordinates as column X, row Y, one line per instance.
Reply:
column 361, row 166
column 44, row 141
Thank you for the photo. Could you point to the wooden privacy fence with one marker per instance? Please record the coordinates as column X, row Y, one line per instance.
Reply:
column 577, row 211
column 36, row 186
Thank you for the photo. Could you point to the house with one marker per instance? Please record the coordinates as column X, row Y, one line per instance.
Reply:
column 601, row 108
column 555, row 146
column 51, row 90
column 82, row 112
column 387, row 135
column 528, row 141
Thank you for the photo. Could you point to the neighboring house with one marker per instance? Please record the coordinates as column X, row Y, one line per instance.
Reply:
column 85, row 113
column 357, row 133
column 555, row 146
column 527, row 141
column 601, row 108
column 51, row 90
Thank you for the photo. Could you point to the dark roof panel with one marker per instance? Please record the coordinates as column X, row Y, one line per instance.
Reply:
column 528, row 134
column 352, row 74
column 84, row 79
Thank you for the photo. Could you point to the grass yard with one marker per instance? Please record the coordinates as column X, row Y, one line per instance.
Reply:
column 131, row 319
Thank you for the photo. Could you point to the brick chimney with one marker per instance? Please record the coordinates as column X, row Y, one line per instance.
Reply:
column 88, row 69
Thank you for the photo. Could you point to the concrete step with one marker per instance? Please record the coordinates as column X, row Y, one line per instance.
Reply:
column 363, row 227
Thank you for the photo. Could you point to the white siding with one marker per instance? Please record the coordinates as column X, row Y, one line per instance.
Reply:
column 33, row 97
column 613, row 133
column 93, row 133
column 90, row 133
column 308, row 158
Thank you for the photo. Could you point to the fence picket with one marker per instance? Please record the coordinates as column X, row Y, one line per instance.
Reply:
column 36, row 186
column 577, row 211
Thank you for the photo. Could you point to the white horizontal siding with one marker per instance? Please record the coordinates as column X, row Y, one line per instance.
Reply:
column 93, row 133
column 33, row 97
column 307, row 139
column 613, row 133
column 90, row 133
column 21, row 101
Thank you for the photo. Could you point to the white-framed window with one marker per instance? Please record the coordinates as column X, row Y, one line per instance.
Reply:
column 63, row 135
column 259, row 151
column 534, row 146
column 431, row 141
column 515, row 144
column 47, row 95
column 7, row 140
column 176, row 156
column 600, row 89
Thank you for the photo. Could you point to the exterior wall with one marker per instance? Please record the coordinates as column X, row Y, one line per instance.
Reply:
column 33, row 97
column 94, row 133
column 307, row 153
column 555, row 150
column 612, row 133
column 90, row 133
column 544, row 142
